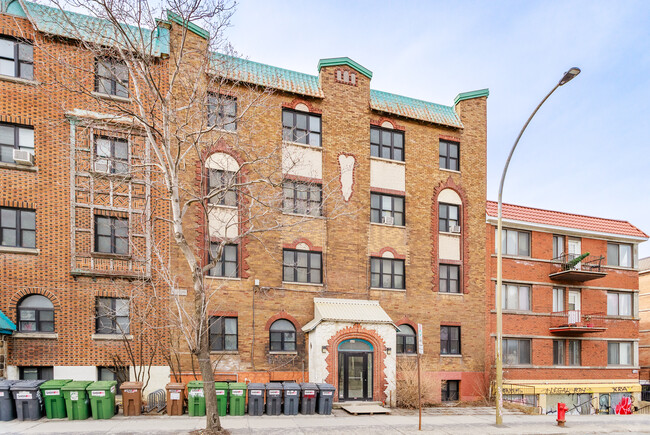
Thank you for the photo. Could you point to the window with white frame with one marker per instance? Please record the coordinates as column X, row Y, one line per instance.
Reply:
column 514, row 242
column 558, row 246
column 558, row 299
column 619, row 353
column 619, row 254
column 111, row 155
column 619, row 304
column 575, row 350
column 559, row 358
column 515, row 297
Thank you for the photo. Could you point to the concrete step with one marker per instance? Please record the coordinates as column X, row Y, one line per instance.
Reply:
column 337, row 405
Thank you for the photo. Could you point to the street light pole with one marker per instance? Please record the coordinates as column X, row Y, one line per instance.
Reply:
column 568, row 76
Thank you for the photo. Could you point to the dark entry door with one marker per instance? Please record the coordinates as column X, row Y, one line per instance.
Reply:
column 355, row 375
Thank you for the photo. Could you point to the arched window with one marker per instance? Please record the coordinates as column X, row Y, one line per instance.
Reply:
column 405, row 339
column 282, row 336
column 35, row 314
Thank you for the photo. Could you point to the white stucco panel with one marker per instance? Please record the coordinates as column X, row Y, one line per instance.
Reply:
column 223, row 162
column 450, row 197
column 156, row 377
column 302, row 161
column 387, row 175
column 223, row 222
column 449, row 247
column 346, row 166
column 76, row 373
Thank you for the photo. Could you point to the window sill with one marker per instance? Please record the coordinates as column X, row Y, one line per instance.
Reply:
column 408, row 355
column 304, row 215
column 389, row 289
column 224, row 352
column 109, row 255
column 111, row 97
column 305, row 145
column 18, row 250
column 45, row 335
column 122, row 175
column 302, row 283
column 447, row 233
column 111, row 337
column 451, row 355
column 282, row 352
column 453, row 171
column 386, row 225
column 383, row 159
column 226, row 278
column 17, row 167
column 223, row 130
column 451, row 294
column 611, row 266
column 231, row 207
column 19, row 80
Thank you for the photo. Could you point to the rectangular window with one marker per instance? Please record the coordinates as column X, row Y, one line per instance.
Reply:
column 387, row 273
column 558, row 353
column 111, row 155
column 450, row 390
column 516, row 351
column 619, row 304
column 387, row 209
column 36, row 373
column 17, row 228
column 118, row 374
column 558, row 246
column 223, row 333
column 558, row 299
column 227, row 265
column 13, row 137
column 16, row 58
column 387, row 143
column 619, row 255
column 574, row 352
column 302, row 198
column 449, row 155
column 449, row 278
column 514, row 242
column 111, row 235
column 448, row 218
column 450, row 340
column 515, row 297
column 221, row 187
column 619, row 353
column 302, row 266
column 222, row 112
column 301, row 127
column 112, row 316
column 112, row 78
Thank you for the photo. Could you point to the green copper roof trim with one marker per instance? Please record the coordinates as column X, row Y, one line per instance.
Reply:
column 190, row 25
column 472, row 94
column 334, row 61
column 12, row 7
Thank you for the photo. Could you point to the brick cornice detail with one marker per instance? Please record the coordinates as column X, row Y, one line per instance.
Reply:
column 286, row 316
column 292, row 177
column 385, row 249
column 305, row 241
column 435, row 239
column 406, row 321
column 387, row 191
column 223, row 314
column 379, row 355
column 16, row 204
column 450, row 138
column 383, row 119
column 27, row 291
column 292, row 105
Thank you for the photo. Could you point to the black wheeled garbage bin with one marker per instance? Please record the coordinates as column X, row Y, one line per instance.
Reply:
column 309, row 391
column 325, row 398
column 291, row 398
column 28, row 399
column 274, row 398
column 7, row 408
column 256, row 399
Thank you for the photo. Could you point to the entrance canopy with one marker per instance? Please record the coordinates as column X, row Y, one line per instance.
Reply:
column 347, row 310
column 6, row 325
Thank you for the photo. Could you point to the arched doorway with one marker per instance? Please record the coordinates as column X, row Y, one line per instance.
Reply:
column 355, row 370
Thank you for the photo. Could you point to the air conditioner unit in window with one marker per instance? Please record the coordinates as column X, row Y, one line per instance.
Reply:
column 388, row 220
column 23, row 157
column 454, row 228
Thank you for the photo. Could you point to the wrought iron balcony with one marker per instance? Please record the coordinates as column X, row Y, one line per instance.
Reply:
column 566, row 268
column 573, row 322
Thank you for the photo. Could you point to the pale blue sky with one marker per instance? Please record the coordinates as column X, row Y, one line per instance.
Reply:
column 585, row 152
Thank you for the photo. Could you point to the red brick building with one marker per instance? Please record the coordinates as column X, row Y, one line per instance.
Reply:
column 570, row 322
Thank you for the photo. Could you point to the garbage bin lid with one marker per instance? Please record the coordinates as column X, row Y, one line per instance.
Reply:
column 26, row 385
column 76, row 385
column 55, row 383
column 175, row 386
column 326, row 387
column 308, row 386
column 6, row 384
column 291, row 385
column 195, row 384
column 237, row 385
column 137, row 385
column 221, row 385
column 101, row 385
column 256, row 386
column 274, row 386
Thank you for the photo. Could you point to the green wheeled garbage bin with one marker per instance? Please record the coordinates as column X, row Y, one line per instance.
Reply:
column 102, row 399
column 77, row 404
column 222, row 397
column 53, row 398
column 195, row 399
column 237, row 396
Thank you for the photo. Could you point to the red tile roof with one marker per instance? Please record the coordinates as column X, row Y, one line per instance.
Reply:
column 568, row 220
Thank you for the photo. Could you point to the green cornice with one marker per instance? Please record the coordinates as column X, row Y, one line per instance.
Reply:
column 472, row 94
column 335, row 61
column 190, row 26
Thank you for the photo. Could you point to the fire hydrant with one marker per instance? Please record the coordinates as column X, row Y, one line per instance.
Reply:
column 561, row 411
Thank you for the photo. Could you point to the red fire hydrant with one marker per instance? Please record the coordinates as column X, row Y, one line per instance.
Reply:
column 561, row 411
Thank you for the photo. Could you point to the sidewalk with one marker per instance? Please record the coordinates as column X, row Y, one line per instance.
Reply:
column 342, row 423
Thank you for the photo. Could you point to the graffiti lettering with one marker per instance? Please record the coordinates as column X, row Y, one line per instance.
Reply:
column 564, row 390
column 621, row 389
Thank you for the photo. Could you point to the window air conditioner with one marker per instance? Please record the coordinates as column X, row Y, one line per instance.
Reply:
column 454, row 228
column 23, row 157
column 388, row 220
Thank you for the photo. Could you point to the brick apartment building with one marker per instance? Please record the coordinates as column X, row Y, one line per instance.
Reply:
column 389, row 192
column 644, row 325
column 570, row 324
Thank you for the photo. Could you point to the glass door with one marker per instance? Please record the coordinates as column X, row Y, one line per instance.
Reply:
column 355, row 370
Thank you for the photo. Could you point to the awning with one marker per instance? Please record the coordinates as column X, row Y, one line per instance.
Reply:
column 347, row 310
column 6, row 325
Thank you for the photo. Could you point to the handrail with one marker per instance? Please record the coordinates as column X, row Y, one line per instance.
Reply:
column 591, row 263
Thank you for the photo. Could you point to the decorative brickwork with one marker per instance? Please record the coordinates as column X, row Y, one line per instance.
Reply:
column 305, row 241
column 382, row 251
column 296, row 101
column 379, row 122
column 283, row 315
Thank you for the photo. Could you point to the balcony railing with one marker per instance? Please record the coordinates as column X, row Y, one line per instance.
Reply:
column 576, row 322
column 566, row 268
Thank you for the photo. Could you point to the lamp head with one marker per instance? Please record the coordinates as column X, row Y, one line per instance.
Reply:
column 569, row 75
